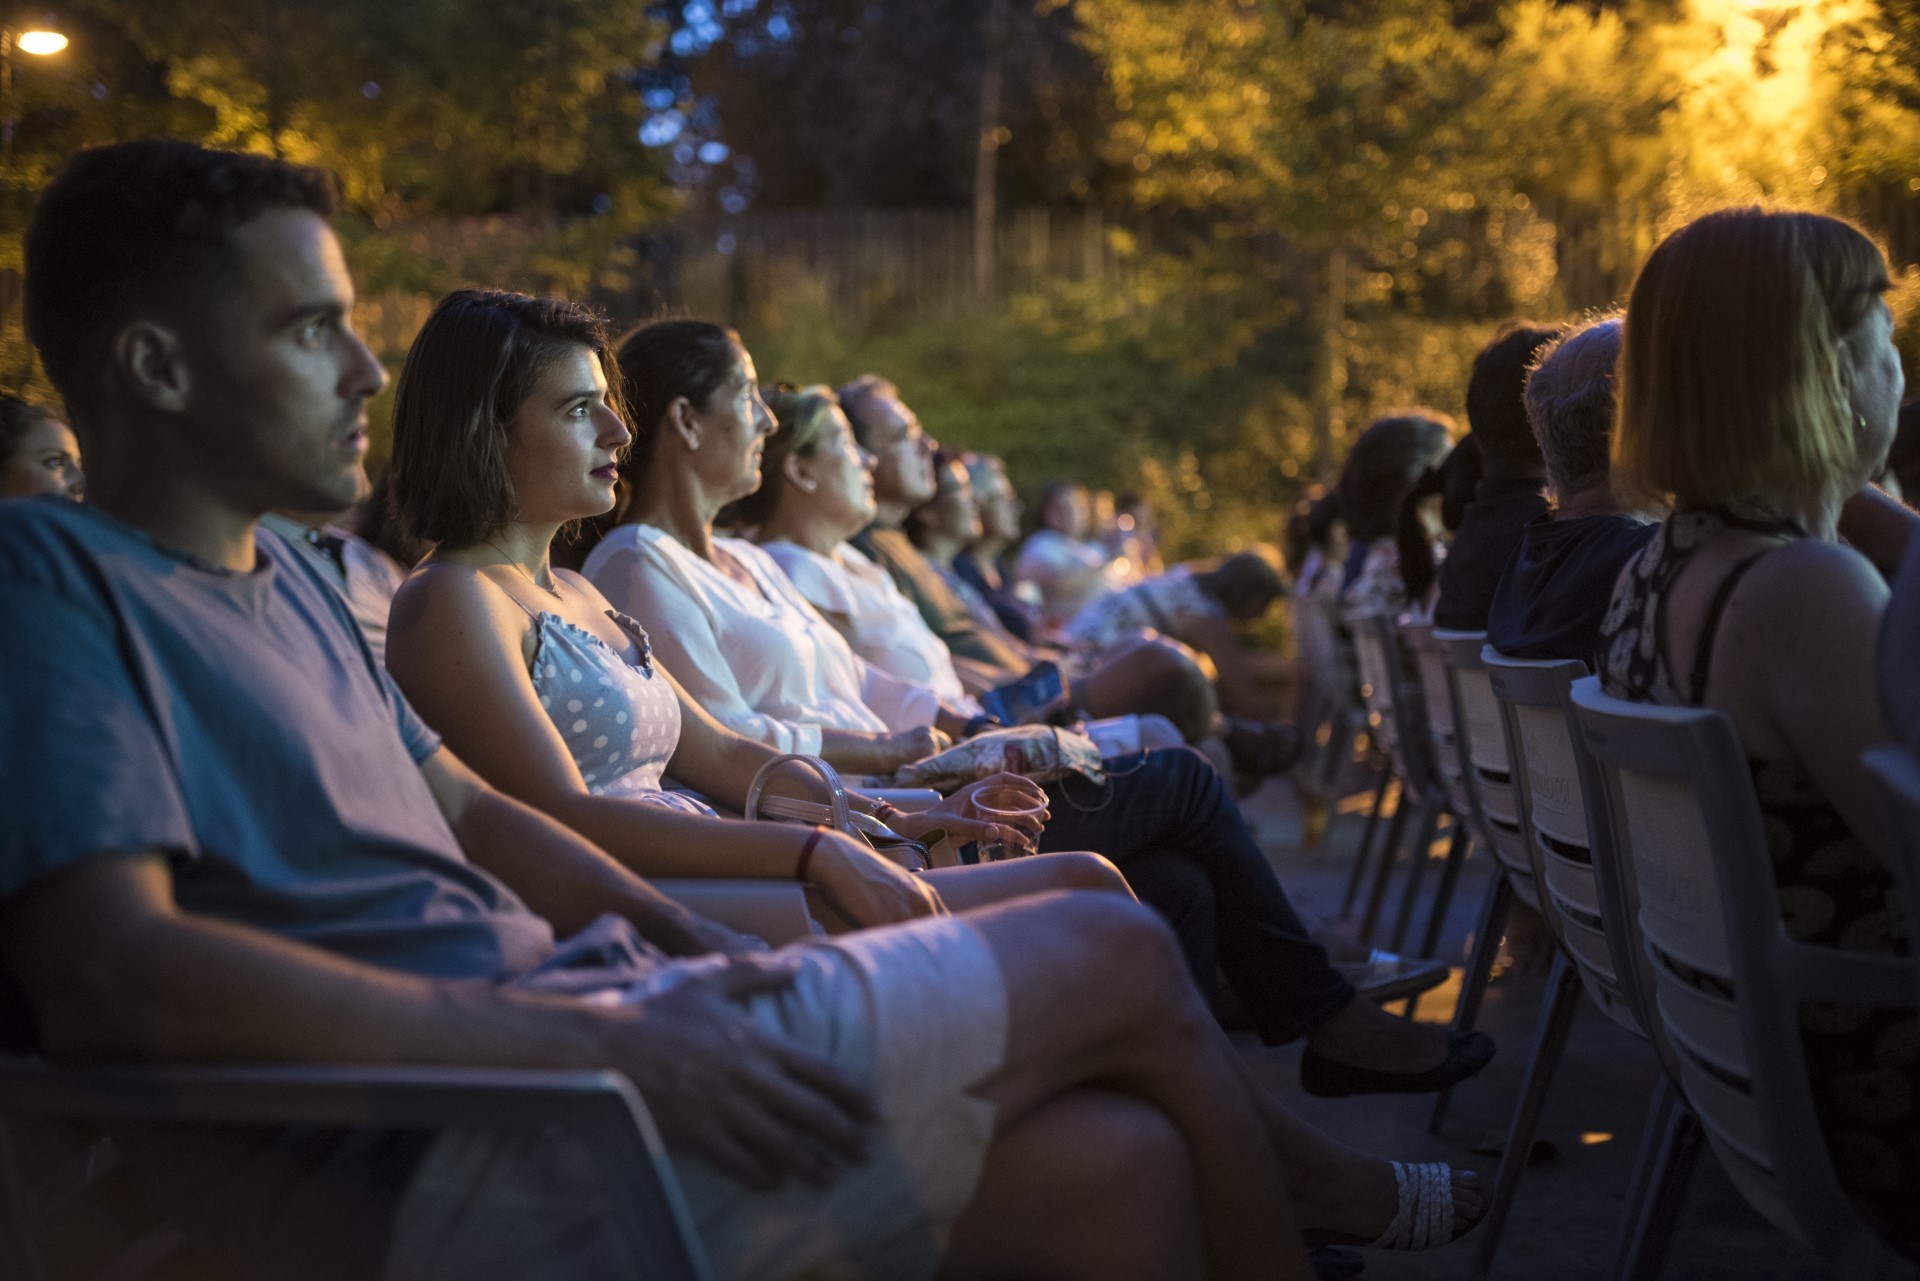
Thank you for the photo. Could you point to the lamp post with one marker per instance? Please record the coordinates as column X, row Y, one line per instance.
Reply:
column 38, row 43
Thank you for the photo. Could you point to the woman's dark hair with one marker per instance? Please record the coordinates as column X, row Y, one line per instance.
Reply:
column 1388, row 457
column 1417, row 569
column 17, row 418
column 1496, row 413
column 378, row 521
column 474, row 364
column 661, row 363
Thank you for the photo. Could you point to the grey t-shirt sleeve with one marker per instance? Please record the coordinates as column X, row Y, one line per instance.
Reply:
column 421, row 741
column 83, row 766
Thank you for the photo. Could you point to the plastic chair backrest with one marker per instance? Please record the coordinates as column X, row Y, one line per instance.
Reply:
column 1393, row 701
column 1582, row 891
column 1429, row 659
column 1496, row 812
column 1729, row 981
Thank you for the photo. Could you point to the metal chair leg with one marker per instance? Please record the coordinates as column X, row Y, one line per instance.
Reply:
column 1457, row 852
column 1417, row 870
column 1473, row 982
column 1383, row 872
column 1669, row 1160
column 1645, row 1166
column 1366, row 844
column 1556, row 1020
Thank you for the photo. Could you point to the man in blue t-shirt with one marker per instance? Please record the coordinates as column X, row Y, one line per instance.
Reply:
column 1550, row 601
column 225, row 837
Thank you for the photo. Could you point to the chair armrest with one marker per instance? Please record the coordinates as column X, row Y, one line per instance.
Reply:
column 599, row 1109
column 773, row 910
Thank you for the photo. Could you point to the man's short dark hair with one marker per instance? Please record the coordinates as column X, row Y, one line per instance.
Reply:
column 1496, row 415
column 143, row 225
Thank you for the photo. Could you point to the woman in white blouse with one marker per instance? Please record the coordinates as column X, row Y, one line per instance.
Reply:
column 725, row 619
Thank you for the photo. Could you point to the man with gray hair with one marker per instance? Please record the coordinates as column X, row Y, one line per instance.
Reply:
column 1554, row 593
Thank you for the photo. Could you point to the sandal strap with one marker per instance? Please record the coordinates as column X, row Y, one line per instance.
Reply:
column 1424, row 1217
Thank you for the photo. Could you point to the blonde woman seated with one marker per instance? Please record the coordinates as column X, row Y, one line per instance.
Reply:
column 817, row 492
column 1759, row 387
column 546, row 690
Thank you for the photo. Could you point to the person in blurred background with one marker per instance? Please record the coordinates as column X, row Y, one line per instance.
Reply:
column 38, row 452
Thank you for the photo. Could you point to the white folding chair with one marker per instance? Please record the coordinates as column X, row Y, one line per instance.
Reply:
column 1584, row 902
column 1396, row 707
column 1493, row 816
column 1328, row 712
column 1674, row 786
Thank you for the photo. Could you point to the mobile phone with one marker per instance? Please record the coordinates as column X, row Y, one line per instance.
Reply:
column 1032, row 698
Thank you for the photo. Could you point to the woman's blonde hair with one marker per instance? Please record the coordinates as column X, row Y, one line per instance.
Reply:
column 804, row 416
column 1731, row 390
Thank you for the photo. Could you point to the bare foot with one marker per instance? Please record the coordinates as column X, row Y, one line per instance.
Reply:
column 1355, row 1201
column 1365, row 1036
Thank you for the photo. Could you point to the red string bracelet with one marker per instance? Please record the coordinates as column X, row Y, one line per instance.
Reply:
column 806, row 853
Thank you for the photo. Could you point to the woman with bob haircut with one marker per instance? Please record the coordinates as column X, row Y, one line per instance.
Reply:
column 1758, row 390
column 506, row 428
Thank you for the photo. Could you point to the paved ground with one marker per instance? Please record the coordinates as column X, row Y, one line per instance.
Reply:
column 1566, row 1220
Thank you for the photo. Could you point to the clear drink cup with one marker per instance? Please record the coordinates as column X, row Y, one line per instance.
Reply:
column 1007, row 806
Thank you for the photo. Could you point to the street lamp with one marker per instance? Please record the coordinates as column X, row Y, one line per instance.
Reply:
column 38, row 43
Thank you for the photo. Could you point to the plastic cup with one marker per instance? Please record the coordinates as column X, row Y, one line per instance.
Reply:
column 1005, row 805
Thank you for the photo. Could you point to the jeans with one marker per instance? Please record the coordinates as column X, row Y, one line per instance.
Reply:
column 1165, row 819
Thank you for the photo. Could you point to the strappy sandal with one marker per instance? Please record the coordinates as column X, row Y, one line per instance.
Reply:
column 1425, row 1217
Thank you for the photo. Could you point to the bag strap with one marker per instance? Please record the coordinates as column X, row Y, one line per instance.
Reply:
column 839, row 813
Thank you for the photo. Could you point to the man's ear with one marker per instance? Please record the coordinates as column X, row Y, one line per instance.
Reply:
column 794, row 468
column 150, row 359
column 682, row 422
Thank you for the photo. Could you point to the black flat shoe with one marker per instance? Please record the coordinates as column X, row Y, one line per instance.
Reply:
column 1467, row 1053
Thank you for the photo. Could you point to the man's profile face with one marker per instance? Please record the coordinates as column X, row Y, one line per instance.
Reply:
column 902, row 450
column 278, row 380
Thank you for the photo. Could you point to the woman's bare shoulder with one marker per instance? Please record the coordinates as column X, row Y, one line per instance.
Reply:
column 447, row 599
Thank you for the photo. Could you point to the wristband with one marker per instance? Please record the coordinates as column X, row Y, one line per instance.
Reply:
column 806, row 853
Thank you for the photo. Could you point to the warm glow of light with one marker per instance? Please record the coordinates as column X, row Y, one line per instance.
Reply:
column 1593, row 1137
column 41, row 42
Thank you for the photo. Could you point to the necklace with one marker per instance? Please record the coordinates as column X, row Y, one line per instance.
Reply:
column 551, row 590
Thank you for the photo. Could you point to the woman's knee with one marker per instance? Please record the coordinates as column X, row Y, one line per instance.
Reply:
column 1118, row 933
column 1085, row 870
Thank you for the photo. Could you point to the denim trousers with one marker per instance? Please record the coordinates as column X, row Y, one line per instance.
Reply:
column 1167, row 821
